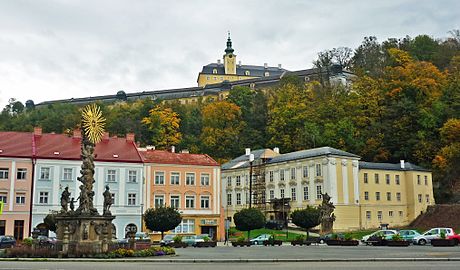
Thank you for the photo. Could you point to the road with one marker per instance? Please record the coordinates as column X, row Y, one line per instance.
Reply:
column 227, row 266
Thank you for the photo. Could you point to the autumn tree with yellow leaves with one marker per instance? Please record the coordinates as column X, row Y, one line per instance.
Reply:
column 164, row 126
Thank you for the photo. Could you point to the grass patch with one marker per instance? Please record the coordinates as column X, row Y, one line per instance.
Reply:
column 279, row 234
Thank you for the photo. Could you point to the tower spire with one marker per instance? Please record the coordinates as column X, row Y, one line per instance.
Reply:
column 229, row 48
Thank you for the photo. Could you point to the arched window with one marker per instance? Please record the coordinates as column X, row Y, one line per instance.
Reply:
column 247, row 73
column 214, row 71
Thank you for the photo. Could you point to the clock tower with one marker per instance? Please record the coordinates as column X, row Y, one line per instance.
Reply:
column 229, row 58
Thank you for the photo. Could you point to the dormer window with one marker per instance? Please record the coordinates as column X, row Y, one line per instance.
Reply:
column 214, row 71
column 247, row 73
column 266, row 74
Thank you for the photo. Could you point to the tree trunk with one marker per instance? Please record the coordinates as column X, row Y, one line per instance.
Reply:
column 162, row 233
column 249, row 232
column 308, row 233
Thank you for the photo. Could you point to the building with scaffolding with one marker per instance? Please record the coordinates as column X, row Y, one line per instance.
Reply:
column 365, row 194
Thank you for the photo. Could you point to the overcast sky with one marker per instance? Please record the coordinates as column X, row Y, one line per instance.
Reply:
column 62, row 49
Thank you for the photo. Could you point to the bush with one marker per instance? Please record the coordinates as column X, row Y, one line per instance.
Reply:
column 348, row 237
column 27, row 241
column 241, row 239
column 177, row 239
column 396, row 237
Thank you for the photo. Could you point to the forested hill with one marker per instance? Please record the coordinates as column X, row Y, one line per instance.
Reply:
column 403, row 104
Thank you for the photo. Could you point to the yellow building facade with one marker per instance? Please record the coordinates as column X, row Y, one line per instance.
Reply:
column 400, row 193
column 231, row 70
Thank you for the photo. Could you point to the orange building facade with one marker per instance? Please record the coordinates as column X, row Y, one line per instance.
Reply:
column 188, row 182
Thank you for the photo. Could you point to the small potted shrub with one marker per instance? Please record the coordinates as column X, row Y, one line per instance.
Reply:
column 334, row 240
column 349, row 241
column 241, row 242
column 299, row 240
column 443, row 241
column 207, row 242
column 177, row 242
column 397, row 241
column 272, row 241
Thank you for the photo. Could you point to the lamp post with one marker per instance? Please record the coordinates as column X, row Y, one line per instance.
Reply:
column 251, row 159
column 142, row 217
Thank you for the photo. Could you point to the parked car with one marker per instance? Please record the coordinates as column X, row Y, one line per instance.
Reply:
column 259, row 240
column 323, row 238
column 45, row 240
column 456, row 237
column 274, row 224
column 190, row 240
column 7, row 241
column 434, row 233
column 169, row 238
column 142, row 236
column 387, row 234
column 408, row 235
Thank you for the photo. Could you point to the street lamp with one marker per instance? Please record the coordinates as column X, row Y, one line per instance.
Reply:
column 142, row 217
column 251, row 159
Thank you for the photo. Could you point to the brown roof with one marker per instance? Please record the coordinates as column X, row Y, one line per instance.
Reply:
column 165, row 157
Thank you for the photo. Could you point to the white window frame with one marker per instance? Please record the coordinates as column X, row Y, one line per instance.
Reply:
column 282, row 193
column 305, row 193
column 229, row 199
column 4, row 197
column 271, row 176
column 238, row 181
column 159, row 178
column 293, row 173
column 174, row 201
column 132, row 199
column 319, row 171
column 205, row 179
column 67, row 174
column 282, row 175
column 21, row 174
column 293, row 194
column 111, row 175
column 174, row 178
column 319, row 192
column 190, row 179
column 305, row 171
column 4, row 173
column 45, row 173
column 132, row 176
column 205, row 202
column 22, row 199
column 238, row 198
column 43, row 197
column 272, row 194
column 158, row 200
column 190, row 202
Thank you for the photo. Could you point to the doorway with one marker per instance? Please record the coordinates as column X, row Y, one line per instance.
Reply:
column 210, row 230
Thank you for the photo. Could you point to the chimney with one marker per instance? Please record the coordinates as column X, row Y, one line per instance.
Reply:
column 184, row 151
column 77, row 133
column 130, row 137
column 265, row 65
column 239, row 63
column 248, row 151
column 402, row 164
column 106, row 136
column 218, row 61
column 276, row 150
column 37, row 131
column 173, row 149
column 279, row 66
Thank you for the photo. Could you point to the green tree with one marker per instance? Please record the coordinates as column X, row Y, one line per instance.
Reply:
column 249, row 219
column 162, row 219
column 50, row 221
column 306, row 218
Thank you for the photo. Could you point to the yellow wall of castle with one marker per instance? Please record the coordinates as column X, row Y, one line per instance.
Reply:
column 204, row 79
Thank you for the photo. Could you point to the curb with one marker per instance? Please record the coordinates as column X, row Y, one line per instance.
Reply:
column 239, row 260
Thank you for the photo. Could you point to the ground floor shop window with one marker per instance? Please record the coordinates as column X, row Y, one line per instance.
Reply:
column 186, row 226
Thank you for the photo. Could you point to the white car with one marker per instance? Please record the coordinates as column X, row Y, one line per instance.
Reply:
column 434, row 233
column 387, row 234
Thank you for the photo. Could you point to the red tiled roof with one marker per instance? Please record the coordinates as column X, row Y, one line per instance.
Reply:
column 165, row 157
column 16, row 144
column 60, row 146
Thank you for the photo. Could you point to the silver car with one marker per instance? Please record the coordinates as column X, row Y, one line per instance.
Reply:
column 434, row 233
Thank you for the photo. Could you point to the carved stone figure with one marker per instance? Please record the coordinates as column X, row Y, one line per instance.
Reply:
column 107, row 200
column 72, row 204
column 327, row 216
column 65, row 198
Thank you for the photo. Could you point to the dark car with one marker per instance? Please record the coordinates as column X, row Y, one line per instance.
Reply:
column 274, row 224
column 323, row 238
column 45, row 240
column 7, row 241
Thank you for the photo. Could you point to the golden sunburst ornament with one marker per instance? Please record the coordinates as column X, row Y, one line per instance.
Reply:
column 93, row 123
